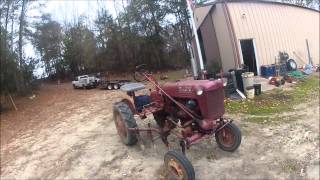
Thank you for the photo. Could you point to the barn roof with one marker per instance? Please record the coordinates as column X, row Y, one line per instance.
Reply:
column 256, row 1
column 212, row 4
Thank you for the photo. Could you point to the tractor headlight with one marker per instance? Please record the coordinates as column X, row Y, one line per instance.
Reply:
column 199, row 92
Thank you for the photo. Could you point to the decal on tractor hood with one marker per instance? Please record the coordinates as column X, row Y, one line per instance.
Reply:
column 184, row 89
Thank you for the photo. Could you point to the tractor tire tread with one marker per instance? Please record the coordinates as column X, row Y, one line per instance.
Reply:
column 237, row 133
column 184, row 162
column 127, row 115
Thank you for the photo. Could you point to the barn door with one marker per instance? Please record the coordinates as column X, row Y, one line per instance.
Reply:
column 248, row 55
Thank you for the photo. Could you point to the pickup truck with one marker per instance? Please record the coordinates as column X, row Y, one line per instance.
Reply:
column 85, row 81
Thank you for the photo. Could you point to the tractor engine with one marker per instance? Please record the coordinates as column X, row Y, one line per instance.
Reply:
column 205, row 98
column 190, row 104
column 185, row 119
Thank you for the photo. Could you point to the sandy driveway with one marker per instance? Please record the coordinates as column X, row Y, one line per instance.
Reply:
column 68, row 134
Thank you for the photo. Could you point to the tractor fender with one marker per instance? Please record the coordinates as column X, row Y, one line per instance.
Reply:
column 130, row 104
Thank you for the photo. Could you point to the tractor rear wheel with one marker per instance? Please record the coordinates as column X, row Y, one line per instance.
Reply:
column 229, row 137
column 178, row 166
column 123, row 119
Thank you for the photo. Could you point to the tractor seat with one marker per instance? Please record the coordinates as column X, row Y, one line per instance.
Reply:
column 132, row 87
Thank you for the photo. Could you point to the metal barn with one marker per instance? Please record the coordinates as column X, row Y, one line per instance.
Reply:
column 237, row 32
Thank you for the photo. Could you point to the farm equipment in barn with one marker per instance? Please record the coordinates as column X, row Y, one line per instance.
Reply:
column 193, row 107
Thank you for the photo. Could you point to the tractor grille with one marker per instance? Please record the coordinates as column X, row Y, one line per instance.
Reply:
column 213, row 104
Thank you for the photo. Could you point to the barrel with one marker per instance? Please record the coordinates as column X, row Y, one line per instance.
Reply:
column 257, row 89
column 250, row 92
column 247, row 79
column 238, row 73
column 268, row 70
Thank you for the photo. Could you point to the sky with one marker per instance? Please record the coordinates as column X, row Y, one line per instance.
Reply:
column 64, row 11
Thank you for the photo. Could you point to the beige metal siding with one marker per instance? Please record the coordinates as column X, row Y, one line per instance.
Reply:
column 210, row 45
column 200, row 14
column 274, row 28
column 223, row 38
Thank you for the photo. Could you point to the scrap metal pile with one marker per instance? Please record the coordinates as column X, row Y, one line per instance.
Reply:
column 287, row 70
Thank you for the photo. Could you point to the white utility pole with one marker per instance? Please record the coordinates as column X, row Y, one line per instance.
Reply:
column 194, row 28
column 193, row 61
column 309, row 55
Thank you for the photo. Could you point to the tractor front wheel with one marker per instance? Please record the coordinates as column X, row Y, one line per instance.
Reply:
column 123, row 119
column 229, row 137
column 178, row 166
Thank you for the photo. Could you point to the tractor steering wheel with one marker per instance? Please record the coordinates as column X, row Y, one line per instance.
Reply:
column 139, row 74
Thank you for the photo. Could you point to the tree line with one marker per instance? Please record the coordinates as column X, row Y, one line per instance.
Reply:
column 16, row 71
column 154, row 32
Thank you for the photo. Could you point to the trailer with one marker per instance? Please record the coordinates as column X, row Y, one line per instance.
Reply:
column 112, row 84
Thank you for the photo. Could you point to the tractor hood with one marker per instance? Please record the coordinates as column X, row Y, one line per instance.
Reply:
column 210, row 100
column 189, row 87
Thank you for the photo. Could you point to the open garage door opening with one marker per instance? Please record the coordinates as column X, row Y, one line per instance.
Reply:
column 248, row 55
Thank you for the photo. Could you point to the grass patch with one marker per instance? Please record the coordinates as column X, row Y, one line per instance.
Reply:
column 258, row 119
column 276, row 101
column 172, row 75
column 273, row 119
column 291, row 165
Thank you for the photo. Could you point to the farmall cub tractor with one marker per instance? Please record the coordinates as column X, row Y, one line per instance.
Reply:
column 194, row 107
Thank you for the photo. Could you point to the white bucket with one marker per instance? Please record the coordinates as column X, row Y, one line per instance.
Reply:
column 250, row 92
column 247, row 79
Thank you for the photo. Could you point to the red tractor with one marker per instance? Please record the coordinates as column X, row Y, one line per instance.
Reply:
column 194, row 107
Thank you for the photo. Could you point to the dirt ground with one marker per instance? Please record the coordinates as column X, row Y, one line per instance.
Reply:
column 69, row 134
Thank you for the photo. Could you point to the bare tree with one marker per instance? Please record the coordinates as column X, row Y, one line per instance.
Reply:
column 21, row 26
column 21, row 85
column 6, row 21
